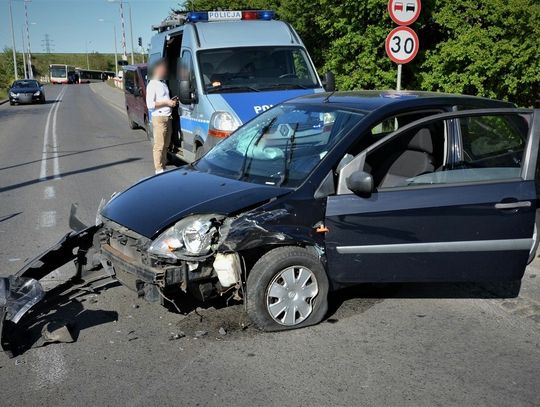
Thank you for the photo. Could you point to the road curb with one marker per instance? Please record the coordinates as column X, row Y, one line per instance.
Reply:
column 4, row 101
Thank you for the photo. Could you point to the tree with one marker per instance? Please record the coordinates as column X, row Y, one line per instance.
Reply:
column 478, row 47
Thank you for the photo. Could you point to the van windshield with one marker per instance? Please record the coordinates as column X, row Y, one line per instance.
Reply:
column 256, row 69
column 281, row 146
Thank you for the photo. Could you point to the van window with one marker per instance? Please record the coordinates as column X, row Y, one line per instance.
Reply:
column 129, row 81
column 255, row 69
column 187, row 66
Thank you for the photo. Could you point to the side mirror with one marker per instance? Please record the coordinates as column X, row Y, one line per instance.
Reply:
column 361, row 183
column 186, row 96
column 329, row 82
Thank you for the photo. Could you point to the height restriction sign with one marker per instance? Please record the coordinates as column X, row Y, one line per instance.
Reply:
column 404, row 12
column 402, row 45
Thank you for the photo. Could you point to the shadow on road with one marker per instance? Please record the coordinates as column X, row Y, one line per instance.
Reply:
column 8, row 217
column 68, row 154
column 69, row 173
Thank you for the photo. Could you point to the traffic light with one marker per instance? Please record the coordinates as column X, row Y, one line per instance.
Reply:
column 140, row 41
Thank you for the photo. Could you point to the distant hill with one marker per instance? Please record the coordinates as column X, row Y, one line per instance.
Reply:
column 41, row 62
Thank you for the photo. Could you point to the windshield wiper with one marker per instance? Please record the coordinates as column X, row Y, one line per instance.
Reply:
column 284, row 86
column 227, row 88
column 289, row 150
column 264, row 130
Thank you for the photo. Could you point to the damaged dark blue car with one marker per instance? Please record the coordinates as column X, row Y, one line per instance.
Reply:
column 319, row 193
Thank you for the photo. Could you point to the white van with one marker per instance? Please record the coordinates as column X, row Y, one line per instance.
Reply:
column 226, row 67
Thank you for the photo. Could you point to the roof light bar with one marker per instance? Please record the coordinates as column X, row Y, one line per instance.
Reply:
column 230, row 15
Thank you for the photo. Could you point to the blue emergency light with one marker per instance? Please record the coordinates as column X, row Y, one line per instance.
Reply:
column 229, row 15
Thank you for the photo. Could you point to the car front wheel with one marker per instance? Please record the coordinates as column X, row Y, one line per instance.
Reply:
column 287, row 289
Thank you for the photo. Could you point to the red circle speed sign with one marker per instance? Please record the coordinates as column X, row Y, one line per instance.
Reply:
column 404, row 12
column 402, row 45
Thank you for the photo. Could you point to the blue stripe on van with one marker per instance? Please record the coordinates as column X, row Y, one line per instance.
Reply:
column 192, row 125
column 248, row 105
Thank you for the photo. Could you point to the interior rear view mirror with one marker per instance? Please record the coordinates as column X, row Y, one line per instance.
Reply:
column 361, row 183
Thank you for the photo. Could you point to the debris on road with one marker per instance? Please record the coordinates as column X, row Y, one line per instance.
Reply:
column 178, row 335
column 199, row 334
column 56, row 331
column 222, row 331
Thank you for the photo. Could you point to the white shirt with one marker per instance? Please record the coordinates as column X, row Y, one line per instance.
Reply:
column 157, row 91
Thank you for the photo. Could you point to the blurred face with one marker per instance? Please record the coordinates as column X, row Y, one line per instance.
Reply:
column 160, row 71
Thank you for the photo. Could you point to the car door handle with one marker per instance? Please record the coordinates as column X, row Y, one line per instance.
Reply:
column 513, row 205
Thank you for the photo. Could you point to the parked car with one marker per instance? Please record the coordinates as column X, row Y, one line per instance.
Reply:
column 135, row 79
column 26, row 91
column 327, row 191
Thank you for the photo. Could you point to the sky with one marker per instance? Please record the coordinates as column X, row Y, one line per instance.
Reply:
column 70, row 24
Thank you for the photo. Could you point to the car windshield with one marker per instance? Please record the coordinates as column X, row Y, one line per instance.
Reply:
column 281, row 146
column 58, row 71
column 256, row 69
column 25, row 84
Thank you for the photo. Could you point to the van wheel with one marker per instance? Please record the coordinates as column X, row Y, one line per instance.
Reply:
column 199, row 152
column 287, row 289
column 132, row 124
column 149, row 131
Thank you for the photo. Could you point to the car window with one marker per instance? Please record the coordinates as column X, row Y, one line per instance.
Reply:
column 129, row 81
column 491, row 148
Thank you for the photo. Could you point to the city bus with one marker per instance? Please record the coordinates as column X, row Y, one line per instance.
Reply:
column 90, row 75
column 59, row 73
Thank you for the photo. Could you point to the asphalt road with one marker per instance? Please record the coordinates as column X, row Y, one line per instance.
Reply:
column 404, row 345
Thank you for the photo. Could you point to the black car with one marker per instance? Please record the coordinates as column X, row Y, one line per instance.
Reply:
column 323, row 192
column 26, row 91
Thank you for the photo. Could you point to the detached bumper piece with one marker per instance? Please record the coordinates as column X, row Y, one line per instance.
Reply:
column 22, row 293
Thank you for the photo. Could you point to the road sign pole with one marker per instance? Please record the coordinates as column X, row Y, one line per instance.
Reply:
column 399, row 67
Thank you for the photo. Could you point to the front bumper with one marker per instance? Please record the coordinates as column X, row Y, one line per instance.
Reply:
column 25, row 98
column 22, row 292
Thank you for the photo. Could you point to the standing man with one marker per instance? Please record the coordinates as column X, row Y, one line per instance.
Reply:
column 160, row 106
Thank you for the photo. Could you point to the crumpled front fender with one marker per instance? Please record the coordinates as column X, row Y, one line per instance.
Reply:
column 22, row 291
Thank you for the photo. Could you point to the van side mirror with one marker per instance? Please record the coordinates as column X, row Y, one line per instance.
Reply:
column 186, row 95
column 329, row 82
column 361, row 183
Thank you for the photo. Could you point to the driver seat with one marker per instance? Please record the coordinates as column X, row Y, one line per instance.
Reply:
column 415, row 160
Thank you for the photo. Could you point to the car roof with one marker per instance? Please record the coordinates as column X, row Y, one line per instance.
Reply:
column 370, row 100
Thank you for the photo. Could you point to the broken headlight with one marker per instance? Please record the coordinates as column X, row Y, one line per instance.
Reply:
column 18, row 295
column 191, row 236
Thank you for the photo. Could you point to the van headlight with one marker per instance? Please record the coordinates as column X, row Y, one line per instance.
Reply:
column 222, row 124
column 192, row 236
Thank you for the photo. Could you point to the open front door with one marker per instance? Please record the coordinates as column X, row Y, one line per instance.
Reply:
column 454, row 200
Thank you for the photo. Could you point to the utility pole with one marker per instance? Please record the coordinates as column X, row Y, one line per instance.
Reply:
column 30, row 70
column 14, row 51
column 24, row 55
column 86, row 48
column 123, row 30
column 131, row 34
column 102, row 20
column 47, row 44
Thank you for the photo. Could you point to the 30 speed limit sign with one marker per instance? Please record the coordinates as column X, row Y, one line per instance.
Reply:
column 402, row 45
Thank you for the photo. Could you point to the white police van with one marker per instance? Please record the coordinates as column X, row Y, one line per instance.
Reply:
column 226, row 67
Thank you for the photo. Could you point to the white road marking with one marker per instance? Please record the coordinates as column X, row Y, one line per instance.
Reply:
column 49, row 193
column 52, row 111
column 47, row 219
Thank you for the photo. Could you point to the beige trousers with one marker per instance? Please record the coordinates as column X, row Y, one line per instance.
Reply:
column 162, row 129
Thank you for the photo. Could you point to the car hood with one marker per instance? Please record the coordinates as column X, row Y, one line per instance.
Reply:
column 24, row 90
column 155, row 203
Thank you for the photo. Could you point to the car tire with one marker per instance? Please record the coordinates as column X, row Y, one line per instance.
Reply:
column 11, row 103
column 534, row 248
column 42, row 101
column 278, row 272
